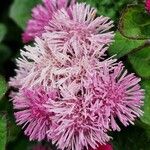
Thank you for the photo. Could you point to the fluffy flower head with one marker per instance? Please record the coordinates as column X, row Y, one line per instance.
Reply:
column 79, row 31
column 91, row 95
column 31, row 113
column 119, row 94
column 67, row 92
column 78, row 123
column 90, row 108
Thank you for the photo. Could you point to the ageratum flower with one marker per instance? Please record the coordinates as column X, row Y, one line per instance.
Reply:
column 41, row 15
column 90, row 107
column 79, row 31
column 119, row 94
column 90, row 93
column 47, row 67
column 77, row 124
column 30, row 112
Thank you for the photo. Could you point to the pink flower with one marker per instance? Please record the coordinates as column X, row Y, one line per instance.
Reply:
column 90, row 105
column 67, row 91
column 41, row 15
column 92, row 95
column 76, row 122
column 119, row 95
column 30, row 112
column 79, row 32
column 147, row 5
column 104, row 147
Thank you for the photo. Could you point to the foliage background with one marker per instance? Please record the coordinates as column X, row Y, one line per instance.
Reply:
column 132, row 44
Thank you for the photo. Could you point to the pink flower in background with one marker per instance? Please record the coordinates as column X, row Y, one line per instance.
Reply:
column 41, row 15
column 103, row 147
column 147, row 5
column 79, row 31
column 30, row 112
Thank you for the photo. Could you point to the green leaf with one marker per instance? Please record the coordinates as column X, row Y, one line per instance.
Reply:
column 131, row 138
column 122, row 45
column 145, row 126
column 12, row 131
column 5, row 53
column 3, row 132
column 22, row 143
column 4, row 101
column 114, row 7
column 146, row 108
column 20, row 11
column 3, row 86
column 135, row 22
column 2, row 31
column 140, row 62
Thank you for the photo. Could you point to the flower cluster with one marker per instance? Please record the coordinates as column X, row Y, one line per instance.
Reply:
column 67, row 90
